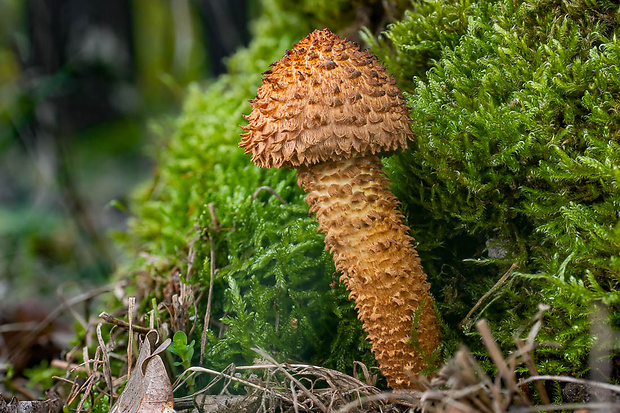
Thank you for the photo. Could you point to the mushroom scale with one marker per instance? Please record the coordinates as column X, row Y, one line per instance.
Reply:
column 325, row 100
column 371, row 247
column 330, row 109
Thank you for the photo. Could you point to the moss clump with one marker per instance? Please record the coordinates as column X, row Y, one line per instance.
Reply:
column 516, row 159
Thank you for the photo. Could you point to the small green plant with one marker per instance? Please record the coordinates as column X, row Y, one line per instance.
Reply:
column 182, row 349
column 101, row 405
column 40, row 376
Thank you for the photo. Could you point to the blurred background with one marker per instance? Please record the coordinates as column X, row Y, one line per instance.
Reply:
column 79, row 83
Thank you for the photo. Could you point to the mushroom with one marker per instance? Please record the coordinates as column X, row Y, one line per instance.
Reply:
column 330, row 109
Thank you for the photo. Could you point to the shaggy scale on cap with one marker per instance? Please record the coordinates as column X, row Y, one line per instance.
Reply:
column 326, row 99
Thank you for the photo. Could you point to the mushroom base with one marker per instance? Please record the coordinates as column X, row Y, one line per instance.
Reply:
column 373, row 250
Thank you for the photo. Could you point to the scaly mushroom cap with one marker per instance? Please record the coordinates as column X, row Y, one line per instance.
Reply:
column 326, row 99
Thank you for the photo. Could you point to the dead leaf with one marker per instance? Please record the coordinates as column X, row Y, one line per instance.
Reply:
column 53, row 404
column 148, row 389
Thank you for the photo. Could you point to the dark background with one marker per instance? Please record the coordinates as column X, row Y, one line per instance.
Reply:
column 83, row 88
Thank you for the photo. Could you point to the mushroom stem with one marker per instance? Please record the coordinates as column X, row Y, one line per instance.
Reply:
column 363, row 228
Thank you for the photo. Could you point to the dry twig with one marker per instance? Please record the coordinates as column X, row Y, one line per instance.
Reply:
column 107, row 317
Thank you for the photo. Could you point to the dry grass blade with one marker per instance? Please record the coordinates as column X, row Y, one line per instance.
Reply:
column 371, row 379
column 531, row 366
column 295, row 401
column 525, row 352
column 496, row 355
column 461, row 386
column 109, row 318
column 293, row 379
column 466, row 320
column 87, row 360
column 582, row 407
column 272, row 191
column 241, row 381
column 88, row 385
column 382, row 397
column 568, row 379
column 130, row 315
column 107, row 372
column 282, row 389
column 215, row 226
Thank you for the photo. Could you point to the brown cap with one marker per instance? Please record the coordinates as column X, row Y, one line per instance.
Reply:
column 326, row 99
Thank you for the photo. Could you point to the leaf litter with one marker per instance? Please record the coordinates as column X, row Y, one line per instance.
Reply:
column 460, row 386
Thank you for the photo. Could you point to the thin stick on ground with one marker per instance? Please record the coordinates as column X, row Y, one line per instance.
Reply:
column 108, row 318
column 568, row 379
column 241, row 381
column 589, row 407
column 107, row 372
column 130, row 315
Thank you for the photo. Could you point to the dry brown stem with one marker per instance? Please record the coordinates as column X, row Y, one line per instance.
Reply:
column 285, row 387
column 115, row 321
column 270, row 190
column 215, row 225
column 465, row 322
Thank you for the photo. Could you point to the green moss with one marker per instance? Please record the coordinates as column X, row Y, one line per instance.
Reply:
column 413, row 44
column 517, row 150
